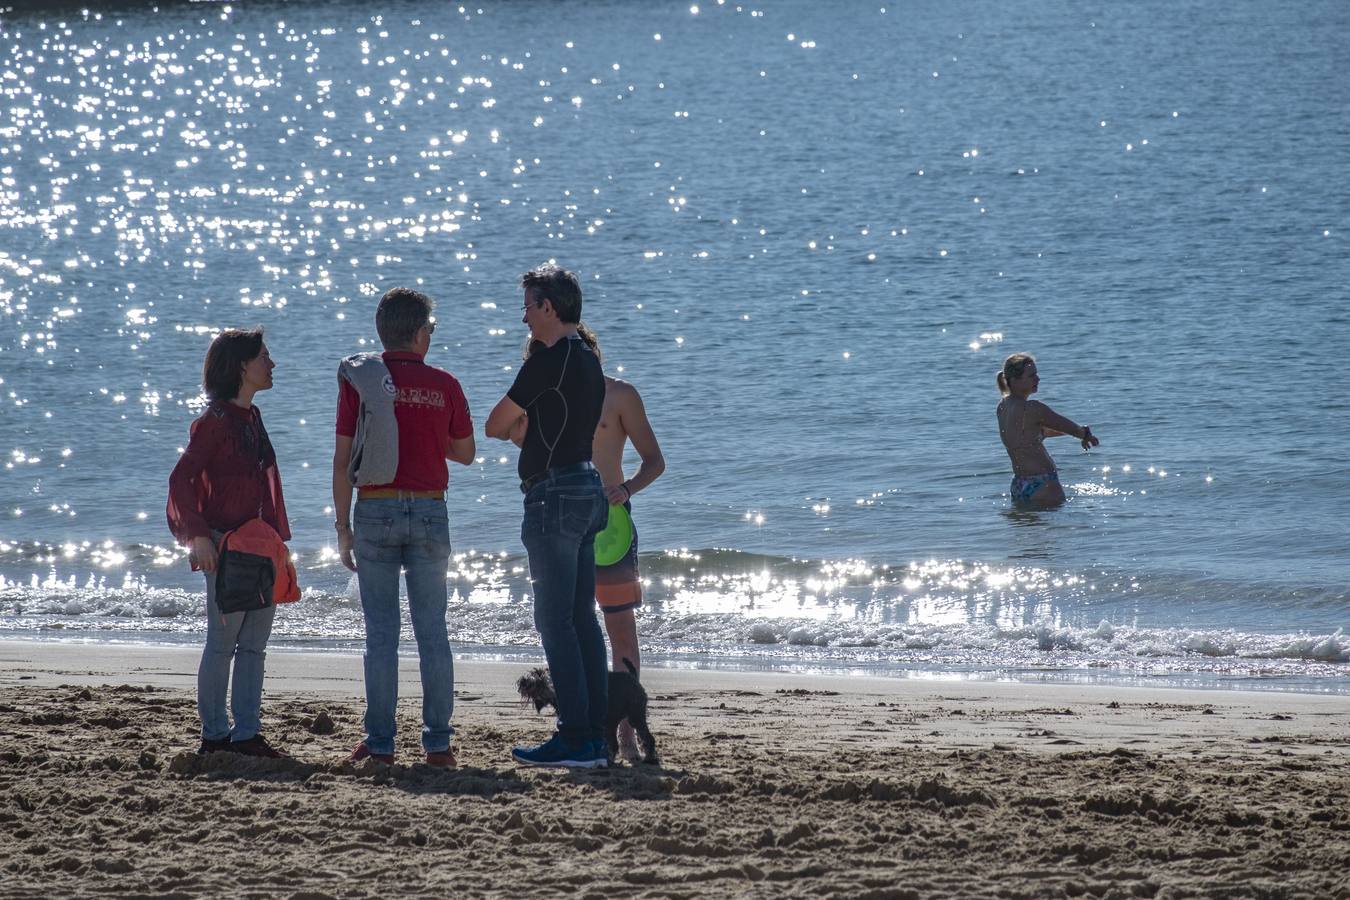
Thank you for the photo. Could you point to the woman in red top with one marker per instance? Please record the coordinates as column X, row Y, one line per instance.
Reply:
column 227, row 476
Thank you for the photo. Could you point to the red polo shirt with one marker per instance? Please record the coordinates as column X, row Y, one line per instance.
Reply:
column 431, row 410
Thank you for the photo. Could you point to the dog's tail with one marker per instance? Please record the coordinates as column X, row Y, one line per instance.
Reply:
column 632, row 669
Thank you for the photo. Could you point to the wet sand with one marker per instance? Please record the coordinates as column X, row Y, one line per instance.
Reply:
column 769, row 786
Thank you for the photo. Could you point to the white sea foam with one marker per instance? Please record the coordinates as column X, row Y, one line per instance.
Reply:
column 1332, row 648
column 507, row 621
column 936, row 609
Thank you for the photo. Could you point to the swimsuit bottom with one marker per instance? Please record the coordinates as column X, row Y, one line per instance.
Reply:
column 1023, row 488
column 618, row 587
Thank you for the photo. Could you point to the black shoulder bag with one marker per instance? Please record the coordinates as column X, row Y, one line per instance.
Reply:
column 243, row 580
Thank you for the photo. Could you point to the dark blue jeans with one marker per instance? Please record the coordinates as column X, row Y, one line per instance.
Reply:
column 562, row 516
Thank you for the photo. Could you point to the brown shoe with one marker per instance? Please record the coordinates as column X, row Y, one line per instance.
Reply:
column 444, row 759
column 362, row 753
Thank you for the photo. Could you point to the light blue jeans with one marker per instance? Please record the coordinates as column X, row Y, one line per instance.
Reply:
column 412, row 537
column 240, row 637
column 562, row 516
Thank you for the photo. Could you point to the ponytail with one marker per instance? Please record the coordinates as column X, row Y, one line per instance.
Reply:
column 533, row 346
column 591, row 340
column 1002, row 381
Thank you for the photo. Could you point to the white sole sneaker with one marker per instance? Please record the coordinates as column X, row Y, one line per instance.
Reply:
column 564, row 763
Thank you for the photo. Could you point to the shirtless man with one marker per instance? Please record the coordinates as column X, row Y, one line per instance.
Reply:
column 618, row 588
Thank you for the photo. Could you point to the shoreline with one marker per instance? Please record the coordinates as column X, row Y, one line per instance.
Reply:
column 769, row 785
column 331, row 677
column 1171, row 678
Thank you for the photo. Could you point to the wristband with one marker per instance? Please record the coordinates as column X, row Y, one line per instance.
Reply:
column 1087, row 432
column 627, row 490
column 342, row 526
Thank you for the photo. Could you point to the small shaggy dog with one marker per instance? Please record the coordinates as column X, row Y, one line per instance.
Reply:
column 627, row 700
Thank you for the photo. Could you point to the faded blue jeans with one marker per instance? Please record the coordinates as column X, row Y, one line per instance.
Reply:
column 240, row 638
column 412, row 537
column 562, row 516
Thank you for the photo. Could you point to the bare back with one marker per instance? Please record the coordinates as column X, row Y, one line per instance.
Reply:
column 1021, row 425
column 611, row 434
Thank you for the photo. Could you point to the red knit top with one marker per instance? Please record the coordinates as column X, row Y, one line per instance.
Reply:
column 227, row 475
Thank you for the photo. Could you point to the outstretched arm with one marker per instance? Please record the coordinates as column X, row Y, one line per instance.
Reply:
column 1052, row 424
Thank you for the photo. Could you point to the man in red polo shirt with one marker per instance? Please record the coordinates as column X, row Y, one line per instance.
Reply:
column 398, row 421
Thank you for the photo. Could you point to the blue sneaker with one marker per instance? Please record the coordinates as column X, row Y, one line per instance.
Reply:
column 558, row 752
column 601, row 751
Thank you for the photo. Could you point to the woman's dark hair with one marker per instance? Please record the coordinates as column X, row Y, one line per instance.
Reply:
column 401, row 312
column 557, row 285
column 221, row 373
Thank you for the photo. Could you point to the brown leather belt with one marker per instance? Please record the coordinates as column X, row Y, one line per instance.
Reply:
column 396, row 494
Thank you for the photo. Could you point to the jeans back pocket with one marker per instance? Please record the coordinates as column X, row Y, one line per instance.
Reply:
column 581, row 515
column 372, row 528
column 436, row 530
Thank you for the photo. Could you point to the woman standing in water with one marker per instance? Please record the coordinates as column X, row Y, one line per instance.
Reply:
column 1024, row 424
column 227, row 477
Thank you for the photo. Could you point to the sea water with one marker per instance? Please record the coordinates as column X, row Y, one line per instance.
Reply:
column 808, row 233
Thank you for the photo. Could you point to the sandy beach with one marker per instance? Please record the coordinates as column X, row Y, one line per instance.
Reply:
column 770, row 786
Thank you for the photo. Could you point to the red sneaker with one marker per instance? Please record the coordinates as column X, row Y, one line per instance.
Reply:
column 444, row 759
column 362, row 752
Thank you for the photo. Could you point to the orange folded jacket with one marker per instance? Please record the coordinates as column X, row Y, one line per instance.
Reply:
column 257, row 537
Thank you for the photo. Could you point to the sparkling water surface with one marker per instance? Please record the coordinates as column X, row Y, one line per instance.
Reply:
column 808, row 233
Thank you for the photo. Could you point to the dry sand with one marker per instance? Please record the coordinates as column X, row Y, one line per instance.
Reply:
column 770, row 786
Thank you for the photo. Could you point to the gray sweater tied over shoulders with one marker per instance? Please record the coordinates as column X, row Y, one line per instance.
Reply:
column 375, row 446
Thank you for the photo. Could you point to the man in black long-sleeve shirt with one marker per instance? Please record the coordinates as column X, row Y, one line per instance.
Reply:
column 551, row 412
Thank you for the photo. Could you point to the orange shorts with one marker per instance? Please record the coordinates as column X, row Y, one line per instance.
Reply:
column 618, row 587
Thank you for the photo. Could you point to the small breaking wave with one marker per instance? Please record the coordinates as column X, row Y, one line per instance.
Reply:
column 720, row 604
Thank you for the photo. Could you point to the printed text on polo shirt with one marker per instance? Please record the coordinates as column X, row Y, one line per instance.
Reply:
column 421, row 397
